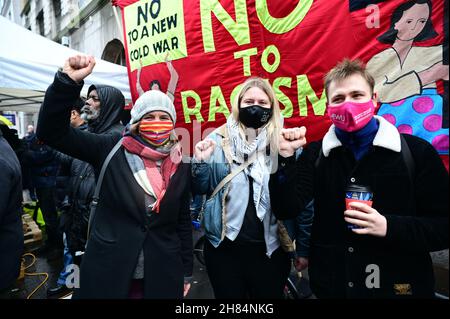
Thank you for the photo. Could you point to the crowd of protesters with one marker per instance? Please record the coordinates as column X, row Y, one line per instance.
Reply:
column 126, row 201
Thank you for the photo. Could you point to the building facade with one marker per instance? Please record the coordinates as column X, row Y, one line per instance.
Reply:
column 92, row 27
column 89, row 26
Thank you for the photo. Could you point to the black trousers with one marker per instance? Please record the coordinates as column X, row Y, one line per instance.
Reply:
column 47, row 203
column 241, row 271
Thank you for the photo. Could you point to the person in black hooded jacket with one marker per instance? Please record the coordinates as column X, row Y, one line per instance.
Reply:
column 102, row 113
column 110, row 102
column 140, row 240
column 101, row 100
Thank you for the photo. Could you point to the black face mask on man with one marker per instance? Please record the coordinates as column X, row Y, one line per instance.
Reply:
column 254, row 116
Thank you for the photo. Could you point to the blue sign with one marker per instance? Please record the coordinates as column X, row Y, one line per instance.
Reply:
column 11, row 118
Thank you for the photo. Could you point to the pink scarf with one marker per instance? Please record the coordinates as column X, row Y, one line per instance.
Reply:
column 158, row 180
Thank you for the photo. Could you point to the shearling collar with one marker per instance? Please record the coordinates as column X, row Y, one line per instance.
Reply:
column 386, row 137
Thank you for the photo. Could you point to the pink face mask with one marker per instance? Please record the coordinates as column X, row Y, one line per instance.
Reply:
column 351, row 116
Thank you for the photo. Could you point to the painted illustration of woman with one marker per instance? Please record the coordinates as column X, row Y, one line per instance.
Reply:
column 406, row 75
column 156, row 85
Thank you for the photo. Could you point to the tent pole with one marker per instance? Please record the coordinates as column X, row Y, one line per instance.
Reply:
column 119, row 25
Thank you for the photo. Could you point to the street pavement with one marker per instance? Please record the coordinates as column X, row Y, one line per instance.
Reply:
column 200, row 289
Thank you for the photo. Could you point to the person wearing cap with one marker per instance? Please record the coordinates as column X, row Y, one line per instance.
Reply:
column 140, row 239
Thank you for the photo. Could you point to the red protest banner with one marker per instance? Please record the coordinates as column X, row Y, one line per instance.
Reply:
column 214, row 45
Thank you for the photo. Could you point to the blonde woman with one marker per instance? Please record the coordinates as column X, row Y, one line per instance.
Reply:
column 232, row 166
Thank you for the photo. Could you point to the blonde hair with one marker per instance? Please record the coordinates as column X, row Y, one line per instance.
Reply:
column 275, row 122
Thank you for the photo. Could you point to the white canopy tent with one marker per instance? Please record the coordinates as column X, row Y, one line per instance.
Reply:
column 28, row 63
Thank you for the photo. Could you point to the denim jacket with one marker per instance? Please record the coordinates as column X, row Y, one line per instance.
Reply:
column 206, row 176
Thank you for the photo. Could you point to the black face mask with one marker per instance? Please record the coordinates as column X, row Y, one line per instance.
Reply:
column 254, row 116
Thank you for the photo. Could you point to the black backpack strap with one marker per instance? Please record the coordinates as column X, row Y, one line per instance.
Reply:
column 408, row 158
column 95, row 198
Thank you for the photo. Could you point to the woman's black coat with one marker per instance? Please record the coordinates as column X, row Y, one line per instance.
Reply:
column 121, row 228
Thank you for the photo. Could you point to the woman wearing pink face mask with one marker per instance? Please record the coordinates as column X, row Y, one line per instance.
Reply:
column 387, row 256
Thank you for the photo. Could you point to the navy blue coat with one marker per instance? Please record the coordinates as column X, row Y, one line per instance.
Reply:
column 44, row 163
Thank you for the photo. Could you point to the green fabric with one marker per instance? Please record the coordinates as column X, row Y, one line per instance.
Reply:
column 30, row 209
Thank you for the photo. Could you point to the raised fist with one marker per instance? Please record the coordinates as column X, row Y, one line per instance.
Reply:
column 79, row 67
column 204, row 149
column 291, row 139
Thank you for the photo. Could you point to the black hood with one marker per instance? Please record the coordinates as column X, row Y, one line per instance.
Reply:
column 112, row 102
